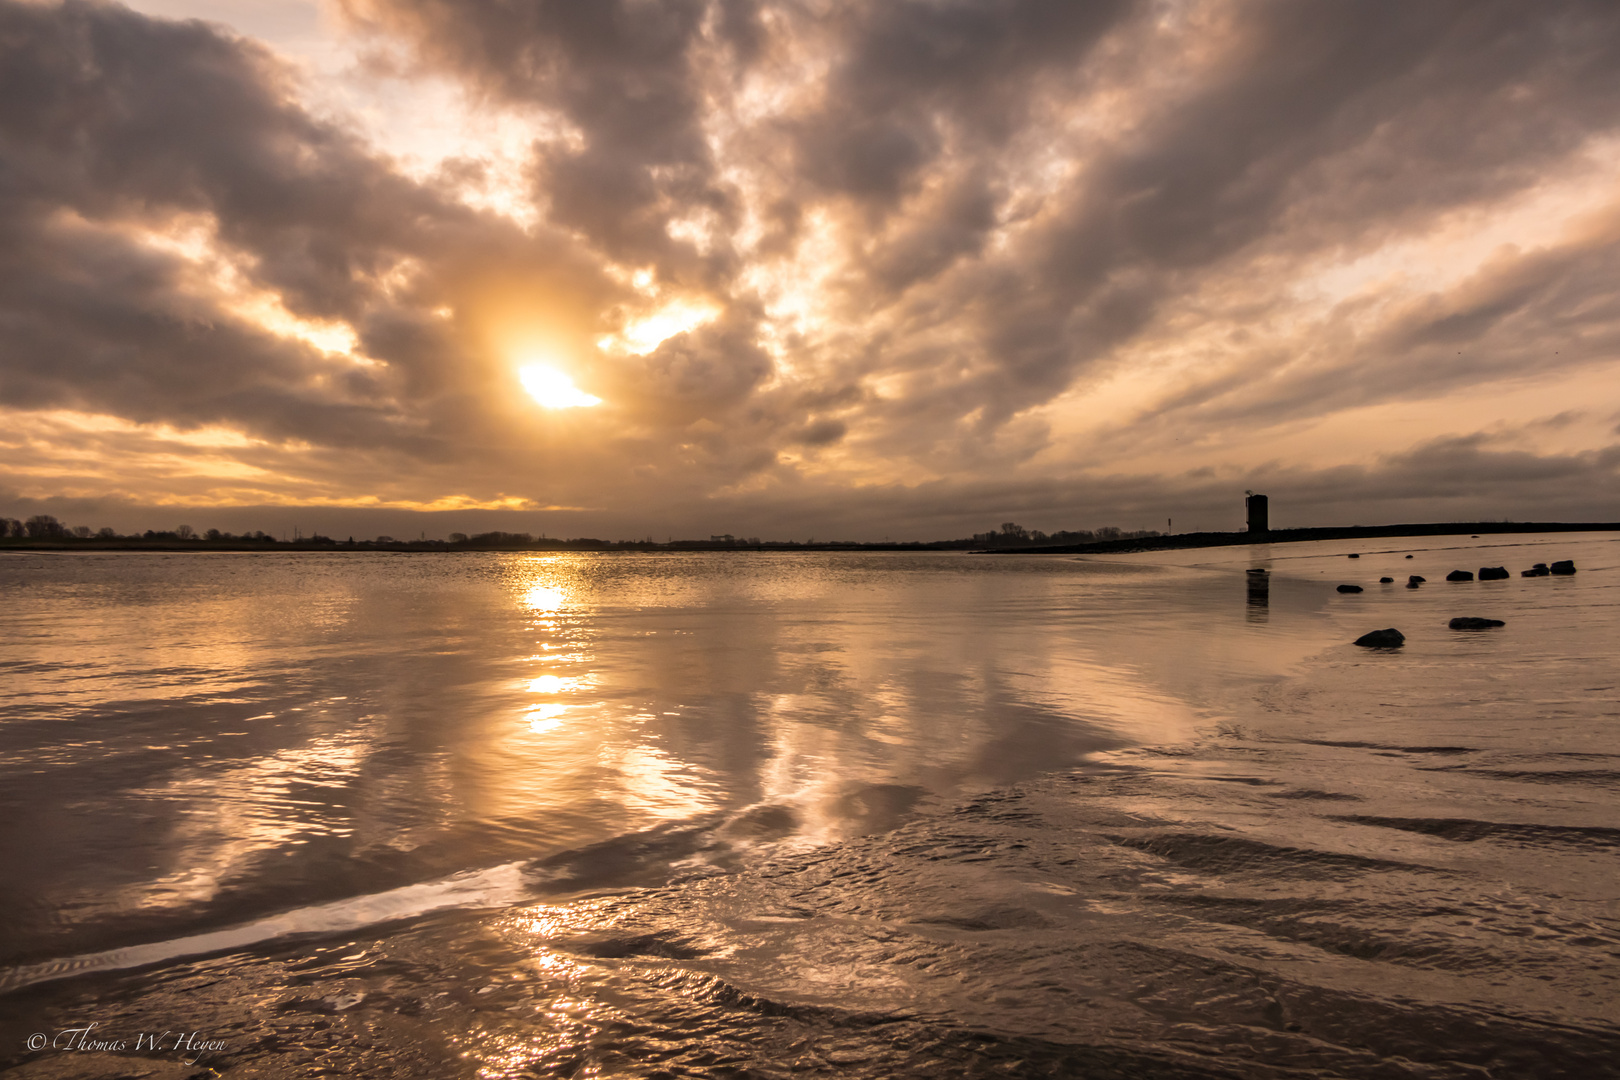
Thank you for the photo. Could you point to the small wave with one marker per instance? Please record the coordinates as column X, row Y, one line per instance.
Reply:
column 662, row 945
column 1354, row 745
column 495, row 887
column 825, row 1040
column 1597, row 777
column 1468, row 829
column 1200, row 851
column 1313, row 793
column 694, row 848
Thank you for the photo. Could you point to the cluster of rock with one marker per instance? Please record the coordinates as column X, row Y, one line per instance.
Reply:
column 1563, row 568
column 1390, row 638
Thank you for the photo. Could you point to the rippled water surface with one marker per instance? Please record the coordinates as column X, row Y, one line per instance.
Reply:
column 820, row 814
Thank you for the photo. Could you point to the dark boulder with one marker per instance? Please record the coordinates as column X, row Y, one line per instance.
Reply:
column 1563, row 567
column 1382, row 639
column 1349, row 588
column 1416, row 580
column 1460, row 575
column 1538, row 570
column 1386, row 581
column 1469, row 622
column 1353, row 555
column 1409, row 556
column 1493, row 573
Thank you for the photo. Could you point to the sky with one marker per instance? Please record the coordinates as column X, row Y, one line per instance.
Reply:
column 810, row 268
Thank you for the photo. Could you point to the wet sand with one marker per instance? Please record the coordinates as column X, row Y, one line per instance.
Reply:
column 1252, row 850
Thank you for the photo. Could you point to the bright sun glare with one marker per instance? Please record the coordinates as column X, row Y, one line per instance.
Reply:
column 554, row 390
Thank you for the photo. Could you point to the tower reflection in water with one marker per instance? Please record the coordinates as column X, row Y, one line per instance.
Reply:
column 1258, row 608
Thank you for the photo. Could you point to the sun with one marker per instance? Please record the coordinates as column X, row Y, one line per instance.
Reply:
column 554, row 390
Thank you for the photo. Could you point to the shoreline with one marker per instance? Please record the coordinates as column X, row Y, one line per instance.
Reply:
column 1291, row 536
column 1097, row 547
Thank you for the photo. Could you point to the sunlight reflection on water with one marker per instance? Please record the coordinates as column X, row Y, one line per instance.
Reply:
column 409, row 716
column 254, row 733
column 668, row 783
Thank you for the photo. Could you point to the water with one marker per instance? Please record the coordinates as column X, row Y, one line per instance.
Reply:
column 822, row 814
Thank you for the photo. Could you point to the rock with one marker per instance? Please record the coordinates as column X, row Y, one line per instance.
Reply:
column 1409, row 556
column 1469, row 622
column 1416, row 580
column 1353, row 555
column 1386, row 581
column 1382, row 639
column 1460, row 575
column 1349, row 588
column 1538, row 570
column 1563, row 567
column 1493, row 573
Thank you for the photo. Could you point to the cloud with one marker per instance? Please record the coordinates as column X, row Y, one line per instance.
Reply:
column 921, row 256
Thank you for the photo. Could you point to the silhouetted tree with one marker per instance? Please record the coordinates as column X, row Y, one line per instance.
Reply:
column 44, row 527
column 502, row 539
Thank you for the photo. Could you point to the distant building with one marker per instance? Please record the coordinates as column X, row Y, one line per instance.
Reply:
column 1259, row 512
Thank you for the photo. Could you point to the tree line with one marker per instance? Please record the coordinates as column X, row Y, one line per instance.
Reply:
column 46, row 528
column 1012, row 534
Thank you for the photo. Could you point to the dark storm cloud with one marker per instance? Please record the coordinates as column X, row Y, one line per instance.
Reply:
column 107, row 118
column 113, row 125
column 914, row 76
column 1522, row 315
column 920, row 223
column 1325, row 124
column 621, row 72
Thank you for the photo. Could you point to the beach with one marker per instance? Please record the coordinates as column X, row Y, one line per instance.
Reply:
column 843, row 814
